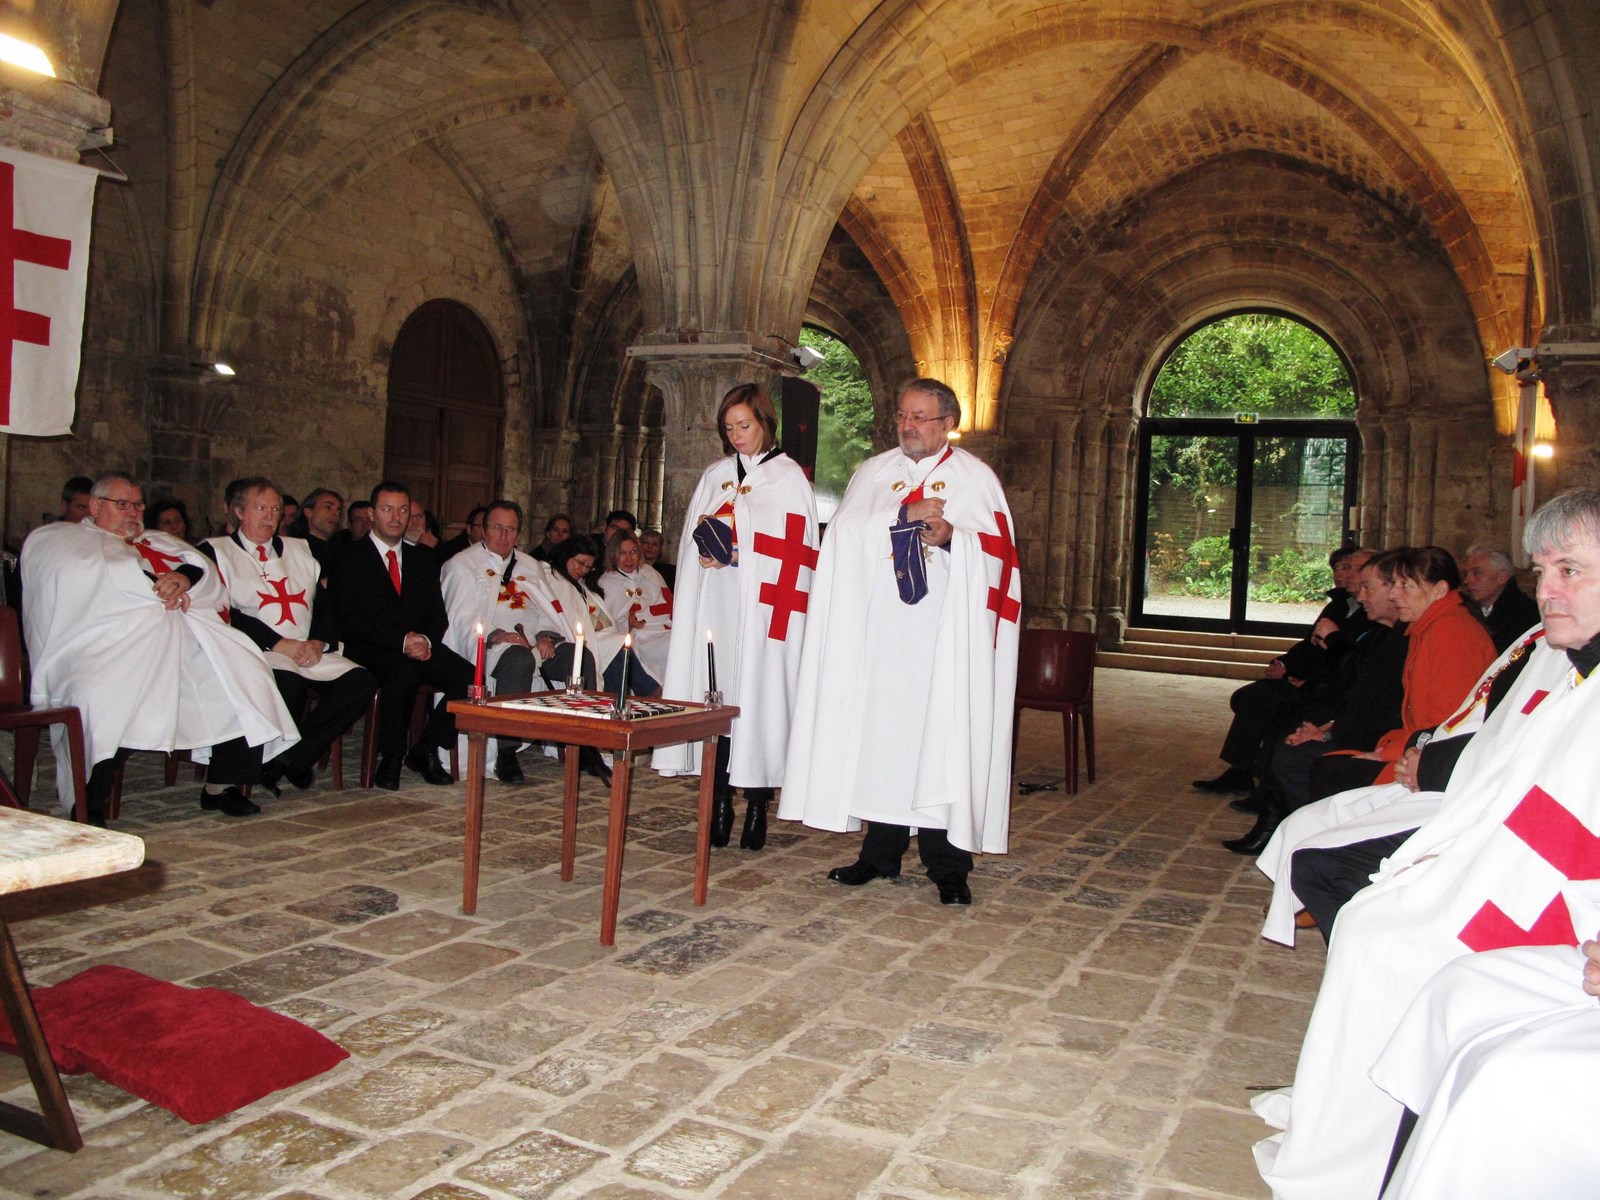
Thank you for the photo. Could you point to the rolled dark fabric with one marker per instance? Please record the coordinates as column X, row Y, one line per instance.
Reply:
column 910, row 571
column 714, row 539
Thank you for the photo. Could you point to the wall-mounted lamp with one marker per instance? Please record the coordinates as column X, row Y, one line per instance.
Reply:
column 25, row 55
column 1543, row 450
column 806, row 357
column 223, row 369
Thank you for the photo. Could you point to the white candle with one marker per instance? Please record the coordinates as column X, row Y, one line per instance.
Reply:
column 577, row 659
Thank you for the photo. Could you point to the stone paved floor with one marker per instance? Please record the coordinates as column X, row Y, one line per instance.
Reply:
column 1090, row 1029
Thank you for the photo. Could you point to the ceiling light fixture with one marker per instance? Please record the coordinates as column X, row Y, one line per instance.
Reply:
column 25, row 55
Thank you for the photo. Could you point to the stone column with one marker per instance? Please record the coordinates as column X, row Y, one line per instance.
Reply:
column 1422, row 464
column 1091, row 492
column 594, row 486
column 1121, row 479
column 1396, row 480
column 1572, row 385
column 1066, row 455
column 550, row 484
column 653, row 462
column 630, row 470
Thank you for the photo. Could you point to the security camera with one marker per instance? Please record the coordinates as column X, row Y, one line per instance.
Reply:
column 1511, row 361
column 806, row 357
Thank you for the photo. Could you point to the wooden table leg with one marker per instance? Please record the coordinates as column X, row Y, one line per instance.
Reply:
column 476, row 758
column 616, row 836
column 569, row 810
column 56, row 1127
column 702, row 836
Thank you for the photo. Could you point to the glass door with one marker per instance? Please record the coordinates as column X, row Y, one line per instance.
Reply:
column 1236, row 524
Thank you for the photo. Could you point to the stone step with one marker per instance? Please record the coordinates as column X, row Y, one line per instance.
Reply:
column 1172, row 664
column 1259, row 658
column 1190, row 637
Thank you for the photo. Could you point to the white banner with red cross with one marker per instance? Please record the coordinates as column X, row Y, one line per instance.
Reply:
column 45, row 211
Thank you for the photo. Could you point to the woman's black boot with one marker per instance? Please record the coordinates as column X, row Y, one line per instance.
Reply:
column 754, row 836
column 721, row 818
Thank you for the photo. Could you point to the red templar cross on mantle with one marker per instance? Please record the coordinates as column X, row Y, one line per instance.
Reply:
column 1563, row 841
column 794, row 556
column 1004, row 548
column 281, row 595
column 20, row 246
column 160, row 561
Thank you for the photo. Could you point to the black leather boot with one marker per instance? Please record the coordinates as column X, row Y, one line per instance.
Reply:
column 721, row 818
column 1273, row 811
column 754, row 836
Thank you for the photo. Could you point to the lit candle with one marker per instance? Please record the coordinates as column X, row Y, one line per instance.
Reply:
column 627, row 660
column 711, row 663
column 577, row 659
column 482, row 650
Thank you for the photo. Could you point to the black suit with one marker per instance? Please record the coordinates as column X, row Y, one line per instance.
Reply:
column 1513, row 614
column 374, row 622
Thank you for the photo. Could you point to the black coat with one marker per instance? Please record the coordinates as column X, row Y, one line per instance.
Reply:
column 371, row 617
column 1514, row 613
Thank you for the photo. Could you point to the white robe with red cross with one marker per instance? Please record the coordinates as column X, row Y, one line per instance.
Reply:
column 904, row 712
column 144, row 676
column 643, row 596
column 1485, row 872
column 756, row 612
column 278, row 590
column 480, row 591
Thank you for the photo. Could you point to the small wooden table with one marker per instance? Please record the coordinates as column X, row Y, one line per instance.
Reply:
column 624, row 738
column 38, row 851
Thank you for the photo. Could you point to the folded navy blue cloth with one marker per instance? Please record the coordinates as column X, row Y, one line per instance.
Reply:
column 714, row 539
column 910, row 571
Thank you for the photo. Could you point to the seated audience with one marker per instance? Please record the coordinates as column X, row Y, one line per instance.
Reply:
column 556, row 530
column 619, row 520
column 171, row 516
column 359, row 516
column 650, row 550
column 75, row 498
column 320, row 517
column 1487, row 871
column 423, row 529
column 124, row 623
column 1266, row 708
column 1490, row 591
column 568, row 602
column 391, row 615
column 471, row 535
column 290, row 518
column 637, row 600
column 273, row 599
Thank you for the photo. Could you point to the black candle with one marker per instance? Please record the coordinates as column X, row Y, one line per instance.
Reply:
column 711, row 664
column 627, row 661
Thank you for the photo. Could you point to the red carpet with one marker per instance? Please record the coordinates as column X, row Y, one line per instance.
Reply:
column 198, row 1052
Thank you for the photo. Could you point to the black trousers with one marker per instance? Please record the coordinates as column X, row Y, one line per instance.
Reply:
column 233, row 762
column 1260, row 709
column 398, row 679
column 557, row 670
column 885, row 845
column 1335, row 773
column 340, row 703
column 1324, row 879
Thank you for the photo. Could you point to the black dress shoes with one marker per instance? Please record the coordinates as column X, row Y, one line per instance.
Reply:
column 1234, row 779
column 953, row 891
column 506, row 767
column 858, row 873
column 1252, row 804
column 754, row 836
column 274, row 772
column 590, row 763
column 721, row 819
column 1273, row 811
column 231, row 801
column 387, row 776
column 425, row 762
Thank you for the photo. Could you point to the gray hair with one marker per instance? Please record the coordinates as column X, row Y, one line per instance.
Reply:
column 1559, row 522
column 949, row 406
column 1499, row 559
column 103, row 482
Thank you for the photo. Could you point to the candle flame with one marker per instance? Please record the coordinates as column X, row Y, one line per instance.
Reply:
column 627, row 642
column 480, row 629
column 708, row 635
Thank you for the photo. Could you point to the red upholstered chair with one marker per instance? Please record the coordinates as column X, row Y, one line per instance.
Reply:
column 26, row 721
column 1055, row 672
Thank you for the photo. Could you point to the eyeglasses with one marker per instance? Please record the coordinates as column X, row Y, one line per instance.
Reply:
column 123, row 505
column 910, row 419
column 511, row 529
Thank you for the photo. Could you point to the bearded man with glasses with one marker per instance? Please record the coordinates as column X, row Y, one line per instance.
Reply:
column 123, row 622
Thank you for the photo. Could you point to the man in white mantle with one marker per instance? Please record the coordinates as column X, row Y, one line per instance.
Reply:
column 123, row 623
column 903, row 718
column 1488, row 871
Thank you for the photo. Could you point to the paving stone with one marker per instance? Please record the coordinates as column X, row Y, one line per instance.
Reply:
column 560, row 1074
column 1005, row 1145
column 1090, row 1175
column 388, row 1030
column 531, row 1166
column 814, row 1166
column 627, row 1108
column 940, row 1177
column 454, row 961
column 692, row 1155
column 773, row 1094
column 747, row 1030
column 399, row 1091
column 509, row 1035
column 397, row 1163
column 350, row 905
column 704, row 943
column 301, row 969
column 939, row 1042
column 250, row 1161
column 893, row 1094
column 1202, row 1151
column 407, row 933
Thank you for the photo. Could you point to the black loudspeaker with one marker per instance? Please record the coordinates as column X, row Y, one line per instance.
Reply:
column 802, row 407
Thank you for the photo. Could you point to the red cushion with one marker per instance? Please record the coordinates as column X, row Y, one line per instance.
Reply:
column 199, row 1052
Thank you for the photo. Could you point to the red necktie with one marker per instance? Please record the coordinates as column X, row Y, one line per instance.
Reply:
column 262, row 552
column 394, row 571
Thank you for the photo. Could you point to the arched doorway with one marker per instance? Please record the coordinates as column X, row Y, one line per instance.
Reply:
column 1248, row 456
column 446, row 411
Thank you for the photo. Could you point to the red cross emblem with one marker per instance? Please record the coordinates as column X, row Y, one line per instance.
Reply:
column 1002, row 547
column 18, row 245
column 793, row 555
column 160, row 561
column 1555, row 835
column 664, row 607
column 281, row 595
column 514, row 597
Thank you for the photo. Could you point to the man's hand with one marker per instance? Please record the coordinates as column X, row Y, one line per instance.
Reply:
column 303, row 654
column 509, row 637
column 1309, row 733
column 1321, row 631
column 1591, row 967
column 172, row 589
column 938, row 531
column 926, row 510
column 418, row 647
column 1275, row 669
column 1405, row 771
column 545, row 646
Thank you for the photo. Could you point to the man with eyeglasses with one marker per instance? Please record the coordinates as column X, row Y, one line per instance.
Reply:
column 124, row 623
column 471, row 535
column 903, row 718
column 492, row 584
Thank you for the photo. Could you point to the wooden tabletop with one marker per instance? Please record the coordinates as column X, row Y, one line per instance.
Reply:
column 37, row 851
